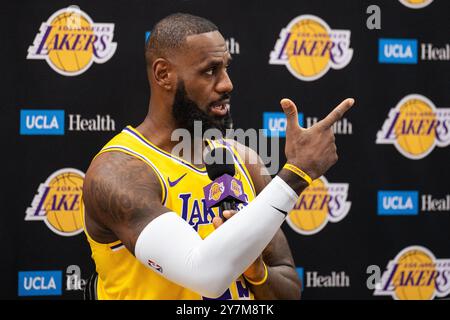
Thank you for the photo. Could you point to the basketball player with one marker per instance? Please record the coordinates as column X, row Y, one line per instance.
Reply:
column 151, row 236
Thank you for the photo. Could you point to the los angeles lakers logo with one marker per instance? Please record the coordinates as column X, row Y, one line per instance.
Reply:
column 415, row 127
column 416, row 4
column 308, row 47
column 70, row 42
column 415, row 274
column 58, row 202
column 236, row 188
column 216, row 191
column 320, row 203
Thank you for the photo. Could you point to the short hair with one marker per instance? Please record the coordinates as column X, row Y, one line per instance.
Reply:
column 170, row 33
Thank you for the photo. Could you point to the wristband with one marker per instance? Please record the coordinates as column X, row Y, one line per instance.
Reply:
column 266, row 275
column 298, row 172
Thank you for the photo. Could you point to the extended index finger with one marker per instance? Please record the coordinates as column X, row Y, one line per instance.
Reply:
column 337, row 113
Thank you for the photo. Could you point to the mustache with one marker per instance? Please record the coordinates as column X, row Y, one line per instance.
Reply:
column 186, row 112
column 225, row 96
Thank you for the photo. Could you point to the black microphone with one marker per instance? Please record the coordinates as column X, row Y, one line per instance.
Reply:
column 228, row 191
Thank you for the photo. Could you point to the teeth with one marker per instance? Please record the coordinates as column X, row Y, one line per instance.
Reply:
column 222, row 106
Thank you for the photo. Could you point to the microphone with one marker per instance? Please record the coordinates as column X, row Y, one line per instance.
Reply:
column 225, row 191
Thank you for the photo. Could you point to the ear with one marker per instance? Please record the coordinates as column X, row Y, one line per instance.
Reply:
column 164, row 73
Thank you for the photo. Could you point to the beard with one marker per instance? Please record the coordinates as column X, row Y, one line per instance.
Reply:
column 185, row 112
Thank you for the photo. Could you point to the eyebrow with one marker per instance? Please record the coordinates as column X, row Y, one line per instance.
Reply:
column 216, row 62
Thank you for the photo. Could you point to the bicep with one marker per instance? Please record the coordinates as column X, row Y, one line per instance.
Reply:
column 123, row 194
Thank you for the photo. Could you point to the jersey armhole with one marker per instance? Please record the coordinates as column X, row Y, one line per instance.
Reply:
column 241, row 164
column 147, row 162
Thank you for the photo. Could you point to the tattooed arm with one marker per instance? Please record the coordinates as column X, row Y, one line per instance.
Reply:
column 121, row 196
column 122, row 199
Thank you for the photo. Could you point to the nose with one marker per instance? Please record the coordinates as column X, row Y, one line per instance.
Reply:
column 224, row 85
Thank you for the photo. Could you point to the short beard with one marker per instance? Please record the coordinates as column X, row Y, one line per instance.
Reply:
column 186, row 111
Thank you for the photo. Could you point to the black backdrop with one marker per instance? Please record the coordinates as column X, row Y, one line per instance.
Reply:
column 119, row 88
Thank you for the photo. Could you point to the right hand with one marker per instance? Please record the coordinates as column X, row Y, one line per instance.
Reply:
column 313, row 150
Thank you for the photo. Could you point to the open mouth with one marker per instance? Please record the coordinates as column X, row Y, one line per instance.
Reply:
column 220, row 109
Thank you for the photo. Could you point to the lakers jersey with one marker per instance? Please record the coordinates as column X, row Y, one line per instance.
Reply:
column 120, row 274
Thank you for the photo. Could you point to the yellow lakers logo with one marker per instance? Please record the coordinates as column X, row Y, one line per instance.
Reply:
column 415, row 127
column 58, row 202
column 308, row 47
column 216, row 191
column 415, row 274
column 320, row 203
column 70, row 42
column 236, row 188
column 416, row 4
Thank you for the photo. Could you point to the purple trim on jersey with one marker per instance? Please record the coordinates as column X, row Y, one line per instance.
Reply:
column 146, row 161
column 117, row 246
column 240, row 166
column 165, row 154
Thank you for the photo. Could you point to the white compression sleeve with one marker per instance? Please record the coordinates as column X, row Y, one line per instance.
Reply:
column 208, row 266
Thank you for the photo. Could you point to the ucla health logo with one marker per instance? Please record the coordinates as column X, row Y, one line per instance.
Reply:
column 274, row 123
column 416, row 4
column 406, row 51
column 312, row 279
column 51, row 122
column 320, row 203
column 70, row 42
column 308, row 47
column 42, row 122
column 398, row 202
column 415, row 127
column 415, row 274
column 58, row 202
column 397, row 51
column 394, row 202
column 40, row 283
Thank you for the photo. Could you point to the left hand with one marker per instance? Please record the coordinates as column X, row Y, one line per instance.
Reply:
column 256, row 271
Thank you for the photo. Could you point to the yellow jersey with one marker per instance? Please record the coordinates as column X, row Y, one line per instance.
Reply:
column 120, row 274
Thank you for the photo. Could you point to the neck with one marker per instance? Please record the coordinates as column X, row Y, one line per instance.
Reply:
column 158, row 127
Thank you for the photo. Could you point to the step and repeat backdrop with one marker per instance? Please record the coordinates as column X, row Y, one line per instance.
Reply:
column 377, row 226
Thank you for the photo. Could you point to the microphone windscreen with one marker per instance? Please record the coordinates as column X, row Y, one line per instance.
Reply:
column 219, row 161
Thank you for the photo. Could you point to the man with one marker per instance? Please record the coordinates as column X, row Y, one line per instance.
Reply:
column 150, row 234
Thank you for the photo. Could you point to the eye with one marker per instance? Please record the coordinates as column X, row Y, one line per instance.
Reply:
column 210, row 72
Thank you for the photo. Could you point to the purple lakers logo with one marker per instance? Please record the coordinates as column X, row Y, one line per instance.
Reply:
column 415, row 127
column 195, row 211
column 58, row 202
column 70, row 42
column 308, row 47
column 236, row 188
column 216, row 191
column 415, row 274
column 320, row 203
